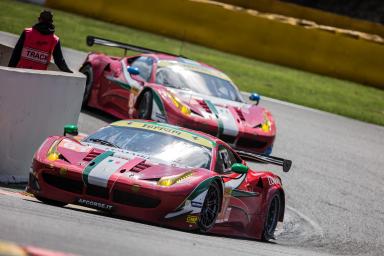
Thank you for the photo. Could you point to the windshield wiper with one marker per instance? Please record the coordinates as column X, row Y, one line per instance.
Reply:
column 103, row 142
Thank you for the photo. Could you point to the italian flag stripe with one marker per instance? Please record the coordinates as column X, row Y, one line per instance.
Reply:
column 219, row 121
column 94, row 163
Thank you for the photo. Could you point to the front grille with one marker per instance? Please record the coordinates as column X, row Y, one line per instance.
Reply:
column 91, row 155
column 205, row 106
column 247, row 143
column 140, row 167
column 97, row 191
column 228, row 138
column 63, row 183
column 136, row 200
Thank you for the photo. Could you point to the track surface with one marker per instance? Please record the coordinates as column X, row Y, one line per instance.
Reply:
column 334, row 197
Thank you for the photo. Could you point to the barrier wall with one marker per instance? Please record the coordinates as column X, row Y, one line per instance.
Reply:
column 245, row 32
column 318, row 16
column 33, row 106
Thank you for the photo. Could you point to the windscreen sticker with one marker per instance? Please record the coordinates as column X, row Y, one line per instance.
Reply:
column 168, row 130
column 196, row 68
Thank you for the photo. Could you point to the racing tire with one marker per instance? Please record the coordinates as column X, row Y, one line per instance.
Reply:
column 210, row 209
column 87, row 70
column 50, row 201
column 144, row 110
column 272, row 217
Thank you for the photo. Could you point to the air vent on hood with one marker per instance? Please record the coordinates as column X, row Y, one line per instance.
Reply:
column 240, row 114
column 91, row 155
column 140, row 167
column 205, row 106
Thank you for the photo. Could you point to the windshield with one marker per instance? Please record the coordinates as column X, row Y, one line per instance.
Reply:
column 157, row 146
column 186, row 78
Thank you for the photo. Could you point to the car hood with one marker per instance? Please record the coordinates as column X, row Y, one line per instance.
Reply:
column 210, row 106
column 141, row 166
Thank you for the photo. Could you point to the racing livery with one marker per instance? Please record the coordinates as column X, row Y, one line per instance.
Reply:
column 172, row 89
column 160, row 173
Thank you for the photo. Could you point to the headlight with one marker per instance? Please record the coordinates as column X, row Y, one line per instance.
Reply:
column 183, row 108
column 169, row 181
column 266, row 126
column 53, row 154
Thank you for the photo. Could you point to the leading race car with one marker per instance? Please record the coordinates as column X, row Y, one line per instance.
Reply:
column 176, row 90
column 162, row 174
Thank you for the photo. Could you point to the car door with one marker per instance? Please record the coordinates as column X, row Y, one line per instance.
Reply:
column 122, row 88
column 239, row 199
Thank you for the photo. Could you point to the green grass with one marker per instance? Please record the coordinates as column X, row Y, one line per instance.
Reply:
column 329, row 94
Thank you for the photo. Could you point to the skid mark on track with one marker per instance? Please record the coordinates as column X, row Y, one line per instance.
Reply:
column 298, row 228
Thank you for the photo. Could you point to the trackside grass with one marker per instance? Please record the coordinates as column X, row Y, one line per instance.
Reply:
column 329, row 94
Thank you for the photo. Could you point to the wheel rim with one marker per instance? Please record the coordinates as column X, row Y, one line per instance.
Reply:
column 273, row 215
column 210, row 208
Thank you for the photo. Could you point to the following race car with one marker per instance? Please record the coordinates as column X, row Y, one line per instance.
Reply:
column 172, row 89
column 162, row 174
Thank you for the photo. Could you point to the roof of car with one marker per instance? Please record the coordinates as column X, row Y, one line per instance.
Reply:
column 180, row 132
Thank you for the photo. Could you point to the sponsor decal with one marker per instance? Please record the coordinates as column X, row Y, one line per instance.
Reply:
column 195, row 138
column 197, row 204
column 94, row 204
column 191, row 219
column 35, row 55
column 273, row 181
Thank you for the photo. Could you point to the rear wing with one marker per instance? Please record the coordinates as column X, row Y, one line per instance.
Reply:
column 91, row 40
column 286, row 164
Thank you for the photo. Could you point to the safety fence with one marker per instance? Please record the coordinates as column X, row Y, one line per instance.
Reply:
column 291, row 42
column 310, row 14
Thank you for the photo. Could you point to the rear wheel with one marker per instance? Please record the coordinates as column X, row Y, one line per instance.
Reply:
column 211, row 208
column 50, row 201
column 272, row 217
column 88, row 72
column 145, row 106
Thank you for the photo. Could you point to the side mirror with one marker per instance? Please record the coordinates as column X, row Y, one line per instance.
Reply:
column 133, row 71
column 254, row 97
column 71, row 129
column 239, row 168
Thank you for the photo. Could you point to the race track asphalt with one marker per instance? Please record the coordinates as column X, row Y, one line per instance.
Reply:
column 334, row 191
column 334, row 194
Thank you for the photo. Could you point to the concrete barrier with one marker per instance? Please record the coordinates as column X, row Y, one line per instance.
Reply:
column 33, row 105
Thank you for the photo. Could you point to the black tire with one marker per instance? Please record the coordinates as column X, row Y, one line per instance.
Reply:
column 272, row 217
column 50, row 201
column 211, row 208
column 144, row 110
column 87, row 70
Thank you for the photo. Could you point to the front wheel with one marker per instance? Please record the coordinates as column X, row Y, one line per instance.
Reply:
column 145, row 106
column 88, row 72
column 272, row 217
column 211, row 208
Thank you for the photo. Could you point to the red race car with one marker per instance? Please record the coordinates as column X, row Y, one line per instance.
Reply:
column 175, row 90
column 162, row 174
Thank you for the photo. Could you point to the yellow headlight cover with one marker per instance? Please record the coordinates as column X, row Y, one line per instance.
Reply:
column 169, row 181
column 183, row 108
